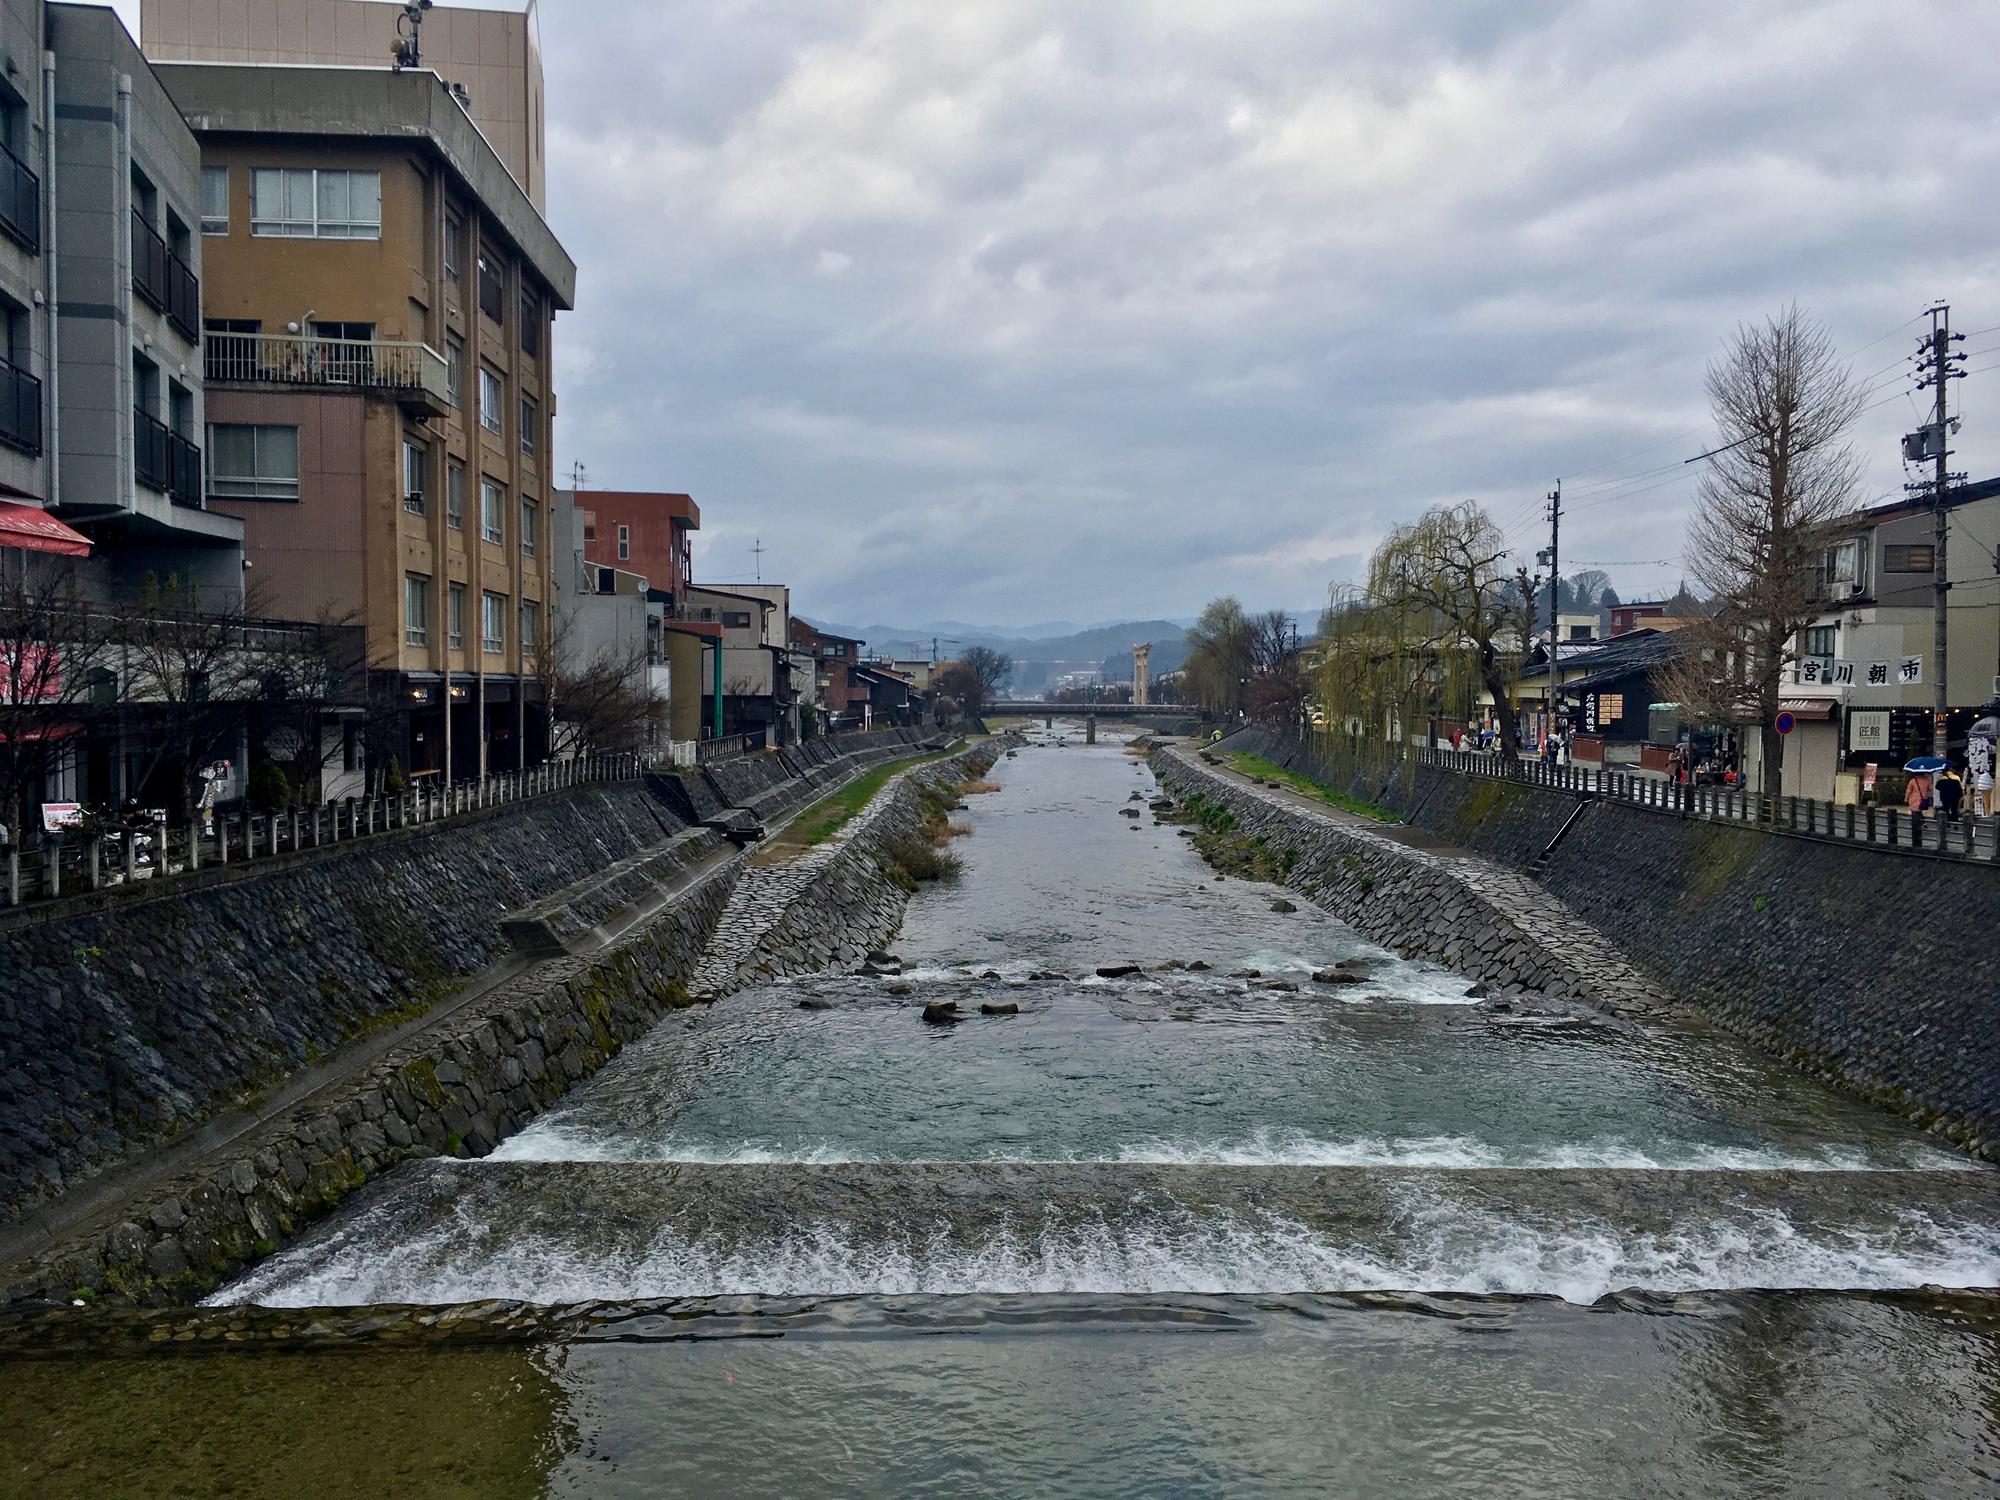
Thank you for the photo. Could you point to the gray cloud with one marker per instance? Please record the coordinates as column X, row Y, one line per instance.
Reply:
column 1027, row 309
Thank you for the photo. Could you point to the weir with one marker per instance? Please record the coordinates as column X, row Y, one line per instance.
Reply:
column 1147, row 1066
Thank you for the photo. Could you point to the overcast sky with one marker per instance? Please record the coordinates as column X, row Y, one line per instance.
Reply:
column 1014, row 310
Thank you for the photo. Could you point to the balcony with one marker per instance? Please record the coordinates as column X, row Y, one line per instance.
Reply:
column 411, row 372
column 163, row 279
column 164, row 460
column 20, row 409
column 20, row 201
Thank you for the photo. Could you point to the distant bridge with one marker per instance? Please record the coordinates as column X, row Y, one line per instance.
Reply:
column 1032, row 708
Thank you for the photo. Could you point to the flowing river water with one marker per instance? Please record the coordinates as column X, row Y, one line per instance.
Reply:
column 1209, row 1230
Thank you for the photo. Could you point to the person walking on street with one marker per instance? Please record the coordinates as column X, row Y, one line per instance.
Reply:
column 1950, row 792
column 1917, row 795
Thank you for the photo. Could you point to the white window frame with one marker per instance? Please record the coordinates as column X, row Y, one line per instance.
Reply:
column 492, row 399
column 528, row 618
column 258, row 484
column 492, row 612
column 212, row 222
column 531, row 525
column 454, row 369
column 624, row 543
column 416, row 477
column 416, row 609
column 454, row 494
column 530, row 420
column 492, row 511
column 307, row 221
column 454, row 247
column 455, row 615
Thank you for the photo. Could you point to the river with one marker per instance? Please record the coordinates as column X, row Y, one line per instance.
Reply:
column 1213, row 1229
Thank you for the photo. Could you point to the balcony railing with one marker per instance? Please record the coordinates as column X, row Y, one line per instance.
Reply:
column 20, row 201
column 20, row 409
column 413, row 372
column 163, row 279
column 164, row 460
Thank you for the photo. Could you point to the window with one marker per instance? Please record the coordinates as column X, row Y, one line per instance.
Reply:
column 454, row 247
column 310, row 204
column 454, row 497
column 355, row 333
column 253, row 463
column 492, row 299
column 490, row 397
column 491, row 498
column 493, row 622
column 454, row 369
column 1897, row 559
column 416, row 609
column 624, row 543
column 531, row 623
column 454, row 615
column 215, row 200
column 1842, row 569
column 531, row 327
column 1580, row 632
column 416, row 470
column 528, row 424
column 1823, row 640
column 736, row 619
column 530, row 515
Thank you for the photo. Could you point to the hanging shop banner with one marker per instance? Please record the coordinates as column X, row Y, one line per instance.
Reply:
column 1840, row 674
column 1910, row 671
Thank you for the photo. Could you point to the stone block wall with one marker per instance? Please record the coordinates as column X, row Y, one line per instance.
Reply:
column 458, row 1090
column 1878, row 971
column 1491, row 924
column 125, row 1019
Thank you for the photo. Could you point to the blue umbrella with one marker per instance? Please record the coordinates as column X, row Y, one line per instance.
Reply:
column 1929, row 764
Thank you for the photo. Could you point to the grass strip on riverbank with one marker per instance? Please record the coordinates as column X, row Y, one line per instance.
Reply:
column 1256, row 765
column 833, row 812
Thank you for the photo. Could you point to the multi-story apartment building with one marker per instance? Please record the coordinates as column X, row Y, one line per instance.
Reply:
column 122, row 266
column 378, row 312
column 493, row 58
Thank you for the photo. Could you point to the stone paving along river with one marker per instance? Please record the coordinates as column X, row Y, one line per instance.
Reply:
column 1184, row 1232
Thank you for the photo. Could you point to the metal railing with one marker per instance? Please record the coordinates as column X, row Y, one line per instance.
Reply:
column 20, row 409
column 163, row 279
column 164, row 460
column 158, row 851
column 295, row 359
column 20, row 201
column 727, row 747
column 1888, row 828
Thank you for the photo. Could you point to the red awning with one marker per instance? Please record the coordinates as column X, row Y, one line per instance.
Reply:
column 1807, row 708
column 50, row 732
column 38, row 531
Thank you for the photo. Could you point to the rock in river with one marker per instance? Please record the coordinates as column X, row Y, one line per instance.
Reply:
column 1118, row 971
column 1281, row 905
column 999, row 1008
column 1335, row 976
column 942, row 1012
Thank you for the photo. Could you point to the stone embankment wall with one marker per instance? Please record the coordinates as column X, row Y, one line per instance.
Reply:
column 127, row 1018
column 833, row 905
column 1488, row 923
column 458, row 1091
column 485, row 1070
column 1876, row 970
column 132, row 1019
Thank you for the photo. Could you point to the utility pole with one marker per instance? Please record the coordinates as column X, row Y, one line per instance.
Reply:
column 1553, row 558
column 1935, row 366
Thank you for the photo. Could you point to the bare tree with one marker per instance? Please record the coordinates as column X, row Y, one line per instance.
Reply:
column 53, row 648
column 990, row 669
column 1276, row 691
column 300, row 668
column 1782, row 480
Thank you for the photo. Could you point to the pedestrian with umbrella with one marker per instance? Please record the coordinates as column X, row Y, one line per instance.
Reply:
column 1917, row 795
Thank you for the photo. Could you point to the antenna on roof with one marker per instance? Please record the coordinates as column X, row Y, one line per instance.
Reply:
column 408, row 52
column 578, row 475
column 757, row 551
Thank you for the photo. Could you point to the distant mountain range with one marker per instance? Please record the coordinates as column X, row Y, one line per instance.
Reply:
column 1037, row 657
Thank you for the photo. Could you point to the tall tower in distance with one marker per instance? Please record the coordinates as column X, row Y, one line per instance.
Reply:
column 1141, row 678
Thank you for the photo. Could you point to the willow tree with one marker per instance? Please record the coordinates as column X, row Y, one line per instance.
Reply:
column 1219, row 657
column 1440, row 619
column 1781, row 483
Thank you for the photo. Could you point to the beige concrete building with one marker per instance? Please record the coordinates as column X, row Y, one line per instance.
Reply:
column 377, row 314
column 495, row 56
